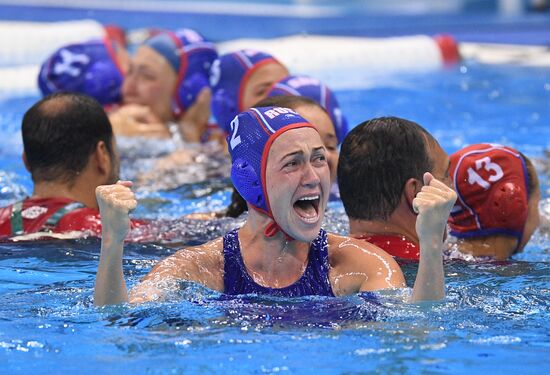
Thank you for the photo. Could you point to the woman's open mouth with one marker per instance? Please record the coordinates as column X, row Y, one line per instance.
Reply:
column 308, row 208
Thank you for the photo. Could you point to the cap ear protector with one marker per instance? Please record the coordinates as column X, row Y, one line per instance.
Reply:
column 340, row 121
column 507, row 205
column 200, row 57
column 247, row 182
column 224, row 107
column 188, row 90
column 223, row 103
column 107, row 88
column 191, row 57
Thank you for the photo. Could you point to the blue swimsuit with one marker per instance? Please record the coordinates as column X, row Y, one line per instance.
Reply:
column 314, row 280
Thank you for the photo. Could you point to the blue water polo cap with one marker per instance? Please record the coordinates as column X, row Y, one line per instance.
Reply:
column 191, row 57
column 89, row 68
column 250, row 138
column 315, row 90
column 228, row 78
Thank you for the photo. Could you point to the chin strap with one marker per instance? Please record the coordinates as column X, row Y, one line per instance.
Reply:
column 272, row 229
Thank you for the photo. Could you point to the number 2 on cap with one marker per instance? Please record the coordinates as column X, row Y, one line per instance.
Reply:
column 235, row 139
column 488, row 165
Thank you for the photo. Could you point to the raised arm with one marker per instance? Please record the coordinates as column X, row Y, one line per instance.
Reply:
column 115, row 202
column 202, row 264
column 433, row 205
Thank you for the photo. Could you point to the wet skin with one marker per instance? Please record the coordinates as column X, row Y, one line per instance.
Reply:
column 259, row 83
column 150, row 81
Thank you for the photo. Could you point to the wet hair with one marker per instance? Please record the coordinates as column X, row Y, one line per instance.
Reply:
column 376, row 159
column 238, row 204
column 60, row 132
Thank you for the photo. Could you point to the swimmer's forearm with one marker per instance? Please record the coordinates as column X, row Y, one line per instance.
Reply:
column 110, row 286
column 430, row 279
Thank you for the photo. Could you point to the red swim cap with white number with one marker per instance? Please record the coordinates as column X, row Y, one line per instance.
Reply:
column 492, row 186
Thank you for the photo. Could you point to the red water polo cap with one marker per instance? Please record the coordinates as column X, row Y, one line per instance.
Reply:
column 492, row 186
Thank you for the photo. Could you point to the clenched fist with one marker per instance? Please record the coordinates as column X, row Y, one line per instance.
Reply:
column 115, row 202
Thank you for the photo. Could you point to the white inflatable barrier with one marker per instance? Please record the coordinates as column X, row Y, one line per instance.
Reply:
column 330, row 59
column 341, row 62
column 309, row 54
column 19, row 81
column 489, row 53
column 32, row 42
column 348, row 62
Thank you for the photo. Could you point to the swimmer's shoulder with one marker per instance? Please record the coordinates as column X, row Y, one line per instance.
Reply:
column 210, row 253
column 357, row 265
column 343, row 248
column 202, row 264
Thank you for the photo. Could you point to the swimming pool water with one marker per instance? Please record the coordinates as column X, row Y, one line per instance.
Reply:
column 494, row 316
column 493, row 320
